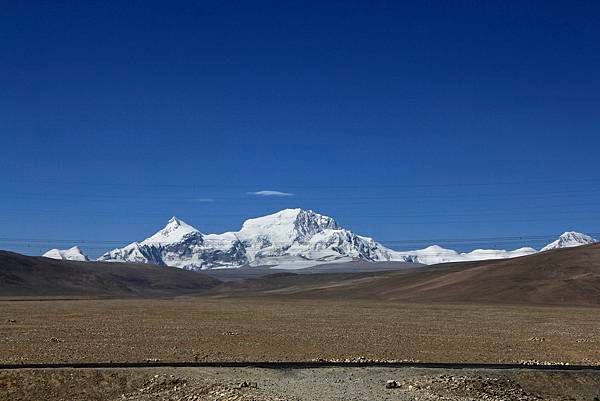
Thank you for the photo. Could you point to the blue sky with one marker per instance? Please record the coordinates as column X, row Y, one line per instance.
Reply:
column 404, row 121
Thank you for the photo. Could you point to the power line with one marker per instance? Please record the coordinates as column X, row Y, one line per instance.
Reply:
column 387, row 241
column 428, row 223
column 362, row 185
column 368, row 196
column 344, row 216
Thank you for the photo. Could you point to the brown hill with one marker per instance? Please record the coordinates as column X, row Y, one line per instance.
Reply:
column 560, row 277
column 565, row 276
column 27, row 276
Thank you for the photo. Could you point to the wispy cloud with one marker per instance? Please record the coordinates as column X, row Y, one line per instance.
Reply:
column 270, row 193
column 202, row 200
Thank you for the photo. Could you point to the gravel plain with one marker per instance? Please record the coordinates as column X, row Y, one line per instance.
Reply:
column 207, row 329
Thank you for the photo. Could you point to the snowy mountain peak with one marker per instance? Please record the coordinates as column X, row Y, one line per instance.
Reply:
column 181, row 245
column 73, row 253
column 437, row 248
column 298, row 236
column 174, row 221
column 175, row 231
column 287, row 225
column 570, row 239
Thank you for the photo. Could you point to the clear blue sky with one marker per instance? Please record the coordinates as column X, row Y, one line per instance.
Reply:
column 404, row 120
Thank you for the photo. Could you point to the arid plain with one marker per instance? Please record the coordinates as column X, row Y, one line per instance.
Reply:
column 531, row 312
column 273, row 329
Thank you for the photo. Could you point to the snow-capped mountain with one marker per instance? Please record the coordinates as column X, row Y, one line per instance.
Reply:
column 292, row 236
column 296, row 235
column 73, row 253
column 181, row 245
column 436, row 254
column 568, row 240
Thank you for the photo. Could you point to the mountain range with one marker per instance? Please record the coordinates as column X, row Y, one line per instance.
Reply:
column 73, row 253
column 290, row 238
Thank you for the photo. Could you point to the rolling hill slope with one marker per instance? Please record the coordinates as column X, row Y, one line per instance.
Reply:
column 565, row 276
column 38, row 276
column 568, row 276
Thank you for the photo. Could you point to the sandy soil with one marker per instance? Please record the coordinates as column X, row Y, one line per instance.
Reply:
column 205, row 329
column 298, row 384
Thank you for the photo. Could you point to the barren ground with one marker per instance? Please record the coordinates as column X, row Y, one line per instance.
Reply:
column 220, row 384
column 208, row 329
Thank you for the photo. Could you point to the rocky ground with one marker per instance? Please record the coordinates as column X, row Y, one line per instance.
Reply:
column 247, row 384
column 206, row 329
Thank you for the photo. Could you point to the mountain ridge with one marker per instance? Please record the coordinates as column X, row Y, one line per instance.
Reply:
column 292, row 238
column 35, row 276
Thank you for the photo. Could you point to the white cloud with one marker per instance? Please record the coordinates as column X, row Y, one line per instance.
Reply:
column 270, row 193
column 202, row 200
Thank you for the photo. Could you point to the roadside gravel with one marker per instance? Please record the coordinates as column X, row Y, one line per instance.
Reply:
column 247, row 384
